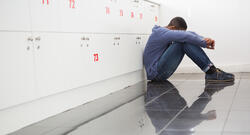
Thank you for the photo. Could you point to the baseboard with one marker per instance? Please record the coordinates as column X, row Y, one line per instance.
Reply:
column 17, row 117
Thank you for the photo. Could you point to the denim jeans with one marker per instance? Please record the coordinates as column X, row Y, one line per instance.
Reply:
column 173, row 56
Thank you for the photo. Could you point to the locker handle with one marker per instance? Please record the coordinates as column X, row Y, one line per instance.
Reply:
column 30, row 39
column 85, row 38
column 117, row 38
column 136, row 1
column 38, row 38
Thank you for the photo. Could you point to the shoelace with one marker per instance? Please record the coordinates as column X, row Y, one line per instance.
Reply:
column 219, row 71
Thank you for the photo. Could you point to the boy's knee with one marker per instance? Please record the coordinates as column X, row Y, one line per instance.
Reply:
column 177, row 45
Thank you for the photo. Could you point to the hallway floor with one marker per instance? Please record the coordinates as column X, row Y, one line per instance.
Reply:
column 184, row 105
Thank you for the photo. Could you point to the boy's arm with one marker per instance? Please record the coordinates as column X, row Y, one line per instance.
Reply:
column 210, row 42
column 185, row 37
column 201, row 37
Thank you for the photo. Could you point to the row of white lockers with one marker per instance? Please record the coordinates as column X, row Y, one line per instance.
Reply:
column 49, row 63
column 96, row 16
column 51, row 46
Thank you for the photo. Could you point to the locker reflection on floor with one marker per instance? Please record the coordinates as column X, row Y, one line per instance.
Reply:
column 184, row 105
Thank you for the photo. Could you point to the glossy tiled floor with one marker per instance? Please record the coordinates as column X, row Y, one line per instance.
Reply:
column 184, row 105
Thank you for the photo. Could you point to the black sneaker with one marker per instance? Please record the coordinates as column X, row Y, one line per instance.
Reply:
column 219, row 76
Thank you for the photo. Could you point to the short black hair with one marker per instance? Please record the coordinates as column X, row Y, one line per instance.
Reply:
column 178, row 22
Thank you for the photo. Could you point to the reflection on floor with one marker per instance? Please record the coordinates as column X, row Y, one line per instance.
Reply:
column 184, row 105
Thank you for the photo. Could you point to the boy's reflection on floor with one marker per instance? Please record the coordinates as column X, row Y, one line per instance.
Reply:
column 169, row 112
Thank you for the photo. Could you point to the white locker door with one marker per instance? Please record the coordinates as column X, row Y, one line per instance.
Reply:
column 15, row 15
column 58, row 62
column 133, row 56
column 143, row 24
column 98, row 66
column 111, row 57
column 46, row 15
column 16, row 69
column 121, row 55
column 152, row 15
column 134, row 16
column 104, row 15
column 144, row 41
column 113, row 64
column 95, row 16
column 92, row 58
column 77, row 15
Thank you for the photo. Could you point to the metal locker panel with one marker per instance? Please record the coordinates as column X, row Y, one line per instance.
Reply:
column 133, row 57
column 121, row 24
column 144, row 41
column 15, row 15
column 135, row 22
column 128, row 21
column 105, row 16
column 95, row 16
column 117, row 17
column 116, row 21
column 94, row 58
column 59, row 62
column 17, row 68
column 144, row 25
column 120, row 57
column 101, row 67
column 152, row 15
column 77, row 16
column 46, row 15
column 114, row 56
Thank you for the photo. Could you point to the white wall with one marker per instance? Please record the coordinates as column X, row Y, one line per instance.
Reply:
column 226, row 21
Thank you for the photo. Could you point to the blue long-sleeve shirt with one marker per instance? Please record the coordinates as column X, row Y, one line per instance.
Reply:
column 159, row 41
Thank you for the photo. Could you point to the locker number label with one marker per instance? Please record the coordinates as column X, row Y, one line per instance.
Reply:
column 71, row 3
column 107, row 10
column 121, row 12
column 141, row 16
column 96, row 58
column 156, row 18
column 47, row 2
column 132, row 15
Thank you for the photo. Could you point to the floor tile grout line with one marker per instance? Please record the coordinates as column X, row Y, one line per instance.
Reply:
column 152, row 100
column 166, row 126
column 165, row 92
column 230, row 110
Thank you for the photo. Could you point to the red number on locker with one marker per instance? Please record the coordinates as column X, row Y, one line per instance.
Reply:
column 156, row 18
column 121, row 12
column 47, row 2
column 107, row 10
column 132, row 14
column 96, row 57
column 71, row 3
column 141, row 16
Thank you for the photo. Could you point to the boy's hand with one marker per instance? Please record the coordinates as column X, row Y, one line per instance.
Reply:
column 210, row 43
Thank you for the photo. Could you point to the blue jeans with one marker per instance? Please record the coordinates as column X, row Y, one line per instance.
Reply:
column 173, row 56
